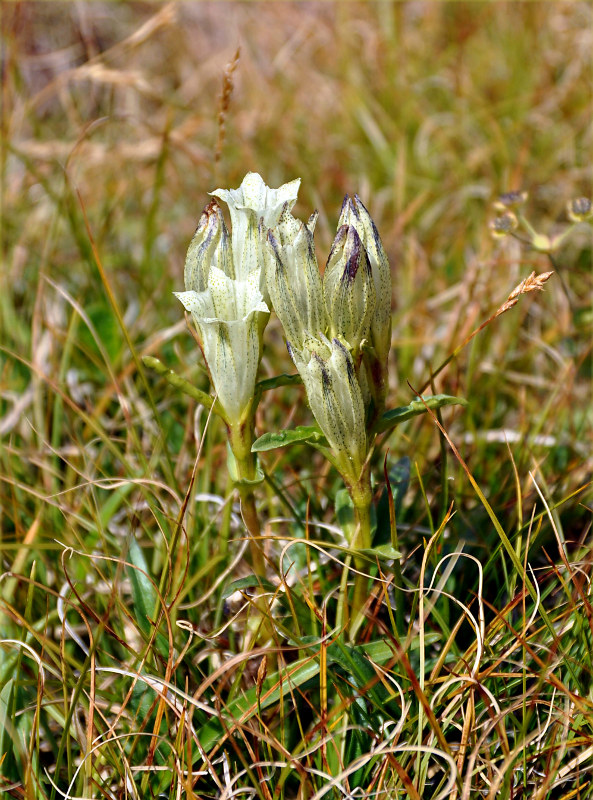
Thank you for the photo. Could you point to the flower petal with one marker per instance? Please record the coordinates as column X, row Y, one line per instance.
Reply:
column 251, row 202
column 210, row 246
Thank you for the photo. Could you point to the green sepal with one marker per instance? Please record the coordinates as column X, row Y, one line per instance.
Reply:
column 395, row 416
column 234, row 470
column 309, row 434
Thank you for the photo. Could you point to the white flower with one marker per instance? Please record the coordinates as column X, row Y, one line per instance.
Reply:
column 251, row 202
column 230, row 316
column 224, row 280
column 335, row 398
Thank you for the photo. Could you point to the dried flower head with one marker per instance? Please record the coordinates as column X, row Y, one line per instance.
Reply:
column 579, row 209
column 510, row 200
column 503, row 225
column 532, row 283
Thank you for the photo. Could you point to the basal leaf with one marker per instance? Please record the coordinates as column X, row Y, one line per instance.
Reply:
column 144, row 595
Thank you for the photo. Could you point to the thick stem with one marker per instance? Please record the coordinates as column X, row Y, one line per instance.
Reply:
column 241, row 440
column 362, row 496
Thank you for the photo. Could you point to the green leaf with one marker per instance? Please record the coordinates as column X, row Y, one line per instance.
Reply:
column 276, row 687
column 276, row 381
column 397, row 415
column 310, row 434
column 144, row 595
column 384, row 552
column 249, row 582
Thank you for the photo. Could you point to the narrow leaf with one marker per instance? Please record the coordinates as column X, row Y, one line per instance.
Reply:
column 278, row 380
column 397, row 415
column 144, row 595
column 303, row 433
column 249, row 582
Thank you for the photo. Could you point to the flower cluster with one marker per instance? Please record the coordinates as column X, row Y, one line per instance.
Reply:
column 338, row 328
column 225, row 287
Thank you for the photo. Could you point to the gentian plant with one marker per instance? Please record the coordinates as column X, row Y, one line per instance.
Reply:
column 338, row 334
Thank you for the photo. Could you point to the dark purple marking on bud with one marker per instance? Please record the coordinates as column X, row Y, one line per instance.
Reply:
column 290, row 349
column 312, row 221
column 347, row 203
column 580, row 206
column 354, row 248
column 276, row 250
column 376, row 236
column 510, row 199
column 349, row 362
column 209, row 221
column 325, row 376
column 338, row 242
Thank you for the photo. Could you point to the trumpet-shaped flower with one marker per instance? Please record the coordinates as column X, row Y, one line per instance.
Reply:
column 251, row 202
column 230, row 316
column 335, row 397
column 224, row 280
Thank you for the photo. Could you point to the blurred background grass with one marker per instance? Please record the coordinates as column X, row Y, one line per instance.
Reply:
column 429, row 110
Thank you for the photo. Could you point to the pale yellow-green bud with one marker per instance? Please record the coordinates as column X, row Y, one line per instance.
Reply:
column 580, row 209
column 210, row 246
column 510, row 200
column 335, row 397
column 293, row 280
column 348, row 288
column 355, row 214
column 503, row 225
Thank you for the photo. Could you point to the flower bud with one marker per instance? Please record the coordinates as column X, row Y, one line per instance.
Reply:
column 503, row 225
column 354, row 213
column 335, row 397
column 579, row 209
column 348, row 288
column 510, row 200
column 293, row 280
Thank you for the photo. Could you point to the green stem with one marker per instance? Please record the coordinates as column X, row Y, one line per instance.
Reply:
column 241, row 439
column 362, row 496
